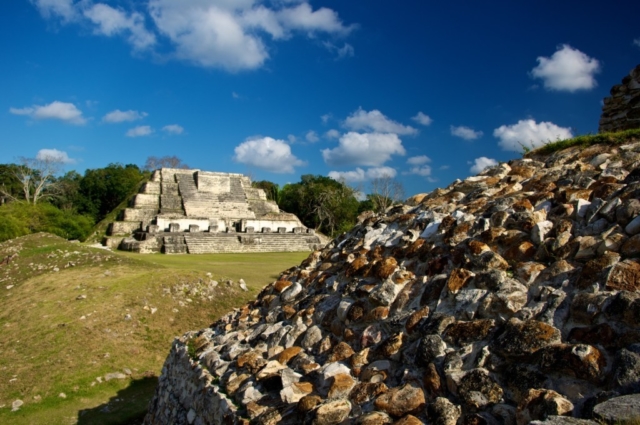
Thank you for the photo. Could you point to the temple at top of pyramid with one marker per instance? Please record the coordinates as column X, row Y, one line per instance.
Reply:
column 195, row 211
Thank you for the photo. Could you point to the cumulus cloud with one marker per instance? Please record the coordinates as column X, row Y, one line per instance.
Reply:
column 325, row 118
column 312, row 136
column 529, row 134
column 568, row 69
column 418, row 160
column 376, row 121
column 369, row 149
column 225, row 34
column 173, row 129
column 139, row 131
column 109, row 21
column 465, row 132
column 332, row 134
column 268, row 154
column 63, row 111
column 481, row 163
column 54, row 155
column 123, row 116
column 422, row 119
column 419, row 170
column 637, row 42
column 64, row 9
column 359, row 175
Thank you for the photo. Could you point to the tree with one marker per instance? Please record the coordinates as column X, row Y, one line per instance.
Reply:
column 67, row 195
column 385, row 192
column 36, row 177
column 271, row 189
column 154, row 163
column 103, row 189
column 321, row 203
column 10, row 186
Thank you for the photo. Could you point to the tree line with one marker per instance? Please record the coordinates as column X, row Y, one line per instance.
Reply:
column 35, row 196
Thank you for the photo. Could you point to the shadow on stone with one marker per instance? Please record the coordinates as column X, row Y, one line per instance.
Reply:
column 127, row 407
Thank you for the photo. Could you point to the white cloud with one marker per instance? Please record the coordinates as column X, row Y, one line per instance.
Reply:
column 139, row 131
column 292, row 138
column 465, row 132
column 637, row 42
column 418, row 160
column 529, row 134
column 173, row 129
column 312, row 136
column 481, row 163
column 325, row 118
column 359, row 175
column 56, row 8
column 422, row 118
column 568, row 69
column 376, row 121
column 109, row 21
column 122, row 116
column 54, row 155
column 341, row 52
column 268, row 154
column 227, row 34
column 63, row 111
column 371, row 149
column 419, row 170
column 332, row 134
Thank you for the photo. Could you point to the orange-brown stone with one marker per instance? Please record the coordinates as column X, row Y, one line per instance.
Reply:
column 288, row 354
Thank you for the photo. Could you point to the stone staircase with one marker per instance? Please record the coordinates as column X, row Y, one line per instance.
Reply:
column 174, row 244
column 170, row 199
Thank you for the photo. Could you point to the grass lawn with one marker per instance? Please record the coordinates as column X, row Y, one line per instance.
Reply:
column 69, row 315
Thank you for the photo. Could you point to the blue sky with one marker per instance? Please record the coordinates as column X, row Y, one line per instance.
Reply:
column 423, row 91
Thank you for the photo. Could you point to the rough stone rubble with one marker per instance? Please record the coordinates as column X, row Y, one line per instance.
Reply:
column 509, row 297
column 621, row 111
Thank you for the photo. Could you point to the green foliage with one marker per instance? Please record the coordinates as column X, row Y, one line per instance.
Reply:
column 102, row 189
column 21, row 218
column 587, row 140
column 10, row 186
column 321, row 203
column 271, row 189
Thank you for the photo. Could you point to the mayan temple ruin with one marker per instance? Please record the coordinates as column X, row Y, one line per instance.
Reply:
column 192, row 211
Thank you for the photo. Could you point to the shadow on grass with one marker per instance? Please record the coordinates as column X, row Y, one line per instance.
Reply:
column 127, row 407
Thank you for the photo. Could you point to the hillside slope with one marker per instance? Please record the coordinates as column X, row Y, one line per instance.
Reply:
column 507, row 297
column 95, row 325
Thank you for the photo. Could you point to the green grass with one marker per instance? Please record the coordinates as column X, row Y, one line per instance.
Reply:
column 586, row 141
column 51, row 342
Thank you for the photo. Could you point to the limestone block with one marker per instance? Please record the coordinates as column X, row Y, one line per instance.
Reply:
column 213, row 229
column 174, row 227
column 153, row 228
column 297, row 229
column 151, row 188
column 123, row 227
column 282, row 230
column 266, row 230
column 249, row 229
column 142, row 200
column 138, row 214
column 194, row 228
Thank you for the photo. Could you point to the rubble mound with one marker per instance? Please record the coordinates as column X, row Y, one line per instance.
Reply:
column 509, row 297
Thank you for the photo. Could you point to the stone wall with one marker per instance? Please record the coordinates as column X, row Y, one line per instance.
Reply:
column 190, row 396
column 505, row 298
column 621, row 111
